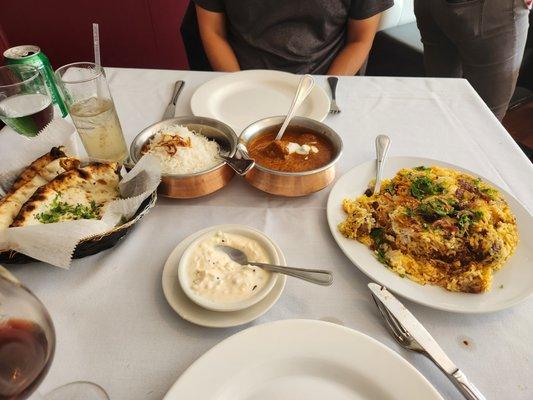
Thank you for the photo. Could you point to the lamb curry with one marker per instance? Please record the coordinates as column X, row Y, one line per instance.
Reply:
column 299, row 150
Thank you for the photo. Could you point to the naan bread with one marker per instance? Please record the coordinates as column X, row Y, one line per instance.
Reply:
column 39, row 173
column 97, row 183
column 35, row 167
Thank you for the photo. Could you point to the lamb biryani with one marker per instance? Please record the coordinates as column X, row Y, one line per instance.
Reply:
column 435, row 226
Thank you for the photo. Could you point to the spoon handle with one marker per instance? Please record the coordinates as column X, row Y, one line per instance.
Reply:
column 318, row 276
column 304, row 88
column 382, row 148
column 240, row 165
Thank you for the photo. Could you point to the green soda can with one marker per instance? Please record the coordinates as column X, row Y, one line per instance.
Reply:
column 32, row 55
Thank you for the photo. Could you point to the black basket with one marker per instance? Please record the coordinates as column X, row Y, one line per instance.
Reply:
column 91, row 245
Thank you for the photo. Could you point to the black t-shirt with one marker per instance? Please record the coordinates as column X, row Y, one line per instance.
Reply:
column 300, row 36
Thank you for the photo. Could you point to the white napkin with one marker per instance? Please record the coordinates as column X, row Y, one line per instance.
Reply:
column 55, row 243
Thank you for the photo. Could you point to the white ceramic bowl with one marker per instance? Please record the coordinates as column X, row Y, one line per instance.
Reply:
column 242, row 230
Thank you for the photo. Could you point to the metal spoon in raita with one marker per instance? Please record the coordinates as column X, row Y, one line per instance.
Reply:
column 318, row 276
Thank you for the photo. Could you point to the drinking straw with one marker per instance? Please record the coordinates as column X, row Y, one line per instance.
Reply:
column 96, row 43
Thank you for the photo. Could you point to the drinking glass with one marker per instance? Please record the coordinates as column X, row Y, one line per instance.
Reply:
column 27, row 345
column 25, row 103
column 86, row 93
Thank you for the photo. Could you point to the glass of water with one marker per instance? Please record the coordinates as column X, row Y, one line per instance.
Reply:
column 88, row 99
column 25, row 103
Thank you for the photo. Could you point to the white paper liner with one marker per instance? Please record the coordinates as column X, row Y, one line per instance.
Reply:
column 57, row 133
column 55, row 243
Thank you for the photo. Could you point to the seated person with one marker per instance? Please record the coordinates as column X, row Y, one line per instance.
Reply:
column 330, row 37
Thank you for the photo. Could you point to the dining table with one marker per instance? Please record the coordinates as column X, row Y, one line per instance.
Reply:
column 115, row 328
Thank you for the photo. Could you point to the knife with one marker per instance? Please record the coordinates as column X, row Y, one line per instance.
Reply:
column 171, row 108
column 431, row 348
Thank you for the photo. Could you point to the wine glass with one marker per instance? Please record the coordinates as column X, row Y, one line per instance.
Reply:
column 25, row 102
column 27, row 344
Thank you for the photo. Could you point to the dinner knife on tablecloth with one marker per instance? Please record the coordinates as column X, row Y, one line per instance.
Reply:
column 171, row 108
column 423, row 341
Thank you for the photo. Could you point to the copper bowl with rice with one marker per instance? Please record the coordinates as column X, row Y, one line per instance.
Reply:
column 191, row 184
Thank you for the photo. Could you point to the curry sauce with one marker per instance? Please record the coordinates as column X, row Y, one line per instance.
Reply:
column 275, row 155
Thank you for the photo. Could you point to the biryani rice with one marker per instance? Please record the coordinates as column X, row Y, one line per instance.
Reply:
column 435, row 226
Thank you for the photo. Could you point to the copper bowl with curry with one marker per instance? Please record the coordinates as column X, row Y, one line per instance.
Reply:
column 301, row 163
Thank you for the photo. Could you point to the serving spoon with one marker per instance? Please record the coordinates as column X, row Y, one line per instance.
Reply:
column 382, row 148
column 240, row 165
column 305, row 86
column 318, row 276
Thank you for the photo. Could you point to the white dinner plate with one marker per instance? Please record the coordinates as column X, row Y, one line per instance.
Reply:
column 301, row 359
column 244, row 97
column 510, row 285
column 192, row 312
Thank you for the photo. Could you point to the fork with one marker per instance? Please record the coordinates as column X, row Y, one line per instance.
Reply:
column 404, row 339
column 397, row 331
column 333, row 108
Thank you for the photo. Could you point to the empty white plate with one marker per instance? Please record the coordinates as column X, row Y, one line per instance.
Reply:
column 510, row 285
column 301, row 359
column 241, row 98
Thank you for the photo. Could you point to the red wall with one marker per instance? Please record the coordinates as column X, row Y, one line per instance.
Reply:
column 133, row 33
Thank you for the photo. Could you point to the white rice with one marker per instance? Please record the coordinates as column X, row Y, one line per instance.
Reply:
column 200, row 156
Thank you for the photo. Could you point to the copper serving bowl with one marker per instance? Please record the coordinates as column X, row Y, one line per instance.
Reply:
column 188, row 186
column 291, row 184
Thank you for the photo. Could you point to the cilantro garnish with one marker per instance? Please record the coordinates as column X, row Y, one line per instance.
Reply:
column 390, row 189
column 377, row 235
column 434, row 209
column 380, row 253
column 490, row 192
column 423, row 186
column 59, row 209
column 465, row 220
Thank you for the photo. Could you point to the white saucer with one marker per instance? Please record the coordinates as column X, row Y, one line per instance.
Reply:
column 200, row 316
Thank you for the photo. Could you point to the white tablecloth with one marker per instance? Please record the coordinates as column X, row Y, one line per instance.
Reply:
column 115, row 328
